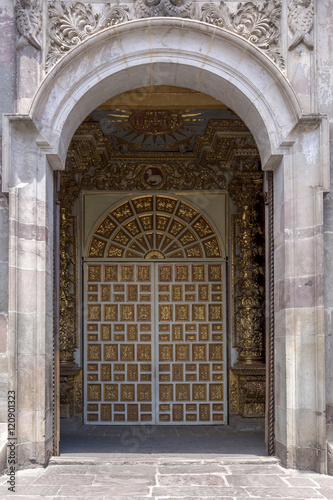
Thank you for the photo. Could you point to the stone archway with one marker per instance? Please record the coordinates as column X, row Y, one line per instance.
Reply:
column 194, row 55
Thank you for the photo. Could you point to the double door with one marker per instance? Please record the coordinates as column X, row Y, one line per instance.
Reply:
column 154, row 343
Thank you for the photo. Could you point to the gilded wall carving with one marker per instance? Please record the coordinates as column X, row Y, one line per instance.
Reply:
column 246, row 190
column 247, row 377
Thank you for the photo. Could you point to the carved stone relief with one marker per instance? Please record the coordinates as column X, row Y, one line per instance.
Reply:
column 71, row 23
column 29, row 22
column 165, row 8
column 257, row 22
column 300, row 21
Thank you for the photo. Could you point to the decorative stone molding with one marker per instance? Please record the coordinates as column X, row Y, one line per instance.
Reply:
column 28, row 22
column 257, row 22
column 300, row 22
column 70, row 24
column 165, row 8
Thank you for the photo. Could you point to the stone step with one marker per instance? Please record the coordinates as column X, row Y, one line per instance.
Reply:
column 158, row 459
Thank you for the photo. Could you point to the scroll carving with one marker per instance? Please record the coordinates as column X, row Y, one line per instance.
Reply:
column 70, row 24
column 29, row 22
column 165, row 8
column 257, row 22
column 300, row 21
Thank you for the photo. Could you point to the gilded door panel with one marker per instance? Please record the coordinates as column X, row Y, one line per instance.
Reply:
column 118, row 344
column 154, row 343
column 191, row 356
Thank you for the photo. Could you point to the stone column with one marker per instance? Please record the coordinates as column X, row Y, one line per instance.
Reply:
column 299, row 329
column 30, row 317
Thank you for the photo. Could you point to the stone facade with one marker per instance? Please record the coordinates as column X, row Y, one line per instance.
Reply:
column 270, row 62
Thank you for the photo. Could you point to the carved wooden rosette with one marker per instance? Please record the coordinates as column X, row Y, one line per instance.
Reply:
column 247, row 379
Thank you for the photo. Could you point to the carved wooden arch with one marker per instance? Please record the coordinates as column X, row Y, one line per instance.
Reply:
column 155, row 227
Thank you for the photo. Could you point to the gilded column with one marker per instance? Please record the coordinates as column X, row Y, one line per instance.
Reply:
column 247, row 380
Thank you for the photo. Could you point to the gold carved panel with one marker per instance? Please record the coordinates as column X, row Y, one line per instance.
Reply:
column 187, row 316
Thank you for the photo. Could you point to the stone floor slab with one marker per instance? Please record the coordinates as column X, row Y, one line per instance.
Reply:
column 167, row 478
column 285, row 492
column 198, row 492
column 253, row 469
column 193, row 469
column 299, row 481
column 271, row 480
column 190, row 480
column 88, row 491
column 64, row 479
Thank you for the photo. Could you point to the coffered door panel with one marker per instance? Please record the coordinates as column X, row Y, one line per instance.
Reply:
column 190, row 351
column 119, row 355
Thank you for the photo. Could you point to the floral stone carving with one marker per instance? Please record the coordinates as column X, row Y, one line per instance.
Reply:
column 165, row 8
column 257, row 22
column 70, row 24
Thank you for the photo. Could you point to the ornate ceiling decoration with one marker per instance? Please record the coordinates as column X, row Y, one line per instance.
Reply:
column 257, row 22
column 148, row 129
column 216, row 148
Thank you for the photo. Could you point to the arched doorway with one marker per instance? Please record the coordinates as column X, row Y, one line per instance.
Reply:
column 196, row 198
column 222, row 65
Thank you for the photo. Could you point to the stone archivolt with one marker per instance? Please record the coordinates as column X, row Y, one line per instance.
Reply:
column 257, row 22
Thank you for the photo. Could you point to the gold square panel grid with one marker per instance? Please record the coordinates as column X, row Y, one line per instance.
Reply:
column 191, row 384
column 155, row 343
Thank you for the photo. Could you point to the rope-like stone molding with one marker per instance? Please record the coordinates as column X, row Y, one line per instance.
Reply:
column 71, row 23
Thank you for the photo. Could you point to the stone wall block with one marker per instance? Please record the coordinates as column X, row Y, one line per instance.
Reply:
column 300, row 292
column 280, row 372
